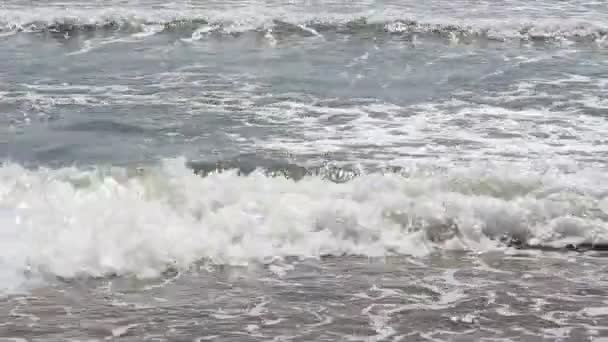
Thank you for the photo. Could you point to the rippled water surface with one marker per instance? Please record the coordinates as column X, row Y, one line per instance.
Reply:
column 303, row 170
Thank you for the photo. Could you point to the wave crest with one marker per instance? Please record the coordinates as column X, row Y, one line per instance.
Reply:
column 194, row 22
column 71, row 222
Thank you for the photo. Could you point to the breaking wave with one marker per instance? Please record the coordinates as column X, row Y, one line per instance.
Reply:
column 74, row 222
column 196, row 23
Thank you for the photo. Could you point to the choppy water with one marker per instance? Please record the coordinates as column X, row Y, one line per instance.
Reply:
column 304, row 170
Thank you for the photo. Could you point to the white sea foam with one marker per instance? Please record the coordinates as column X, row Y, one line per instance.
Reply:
column 452, row 129
column 546, row 22
column 71, row 222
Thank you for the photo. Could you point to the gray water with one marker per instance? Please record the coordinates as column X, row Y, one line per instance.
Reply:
column 303, row 170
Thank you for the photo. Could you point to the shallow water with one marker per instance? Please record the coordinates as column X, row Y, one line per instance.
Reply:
column 310, row 170
column 451, row 297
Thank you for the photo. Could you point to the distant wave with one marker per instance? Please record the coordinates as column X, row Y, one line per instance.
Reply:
column 197, row 23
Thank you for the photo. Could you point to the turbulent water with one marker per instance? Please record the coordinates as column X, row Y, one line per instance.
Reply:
column 304, row 170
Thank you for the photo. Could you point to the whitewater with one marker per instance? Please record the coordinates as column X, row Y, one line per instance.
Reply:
column 244, row 170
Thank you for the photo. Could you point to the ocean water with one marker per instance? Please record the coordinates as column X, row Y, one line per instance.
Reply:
column 235, row 170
